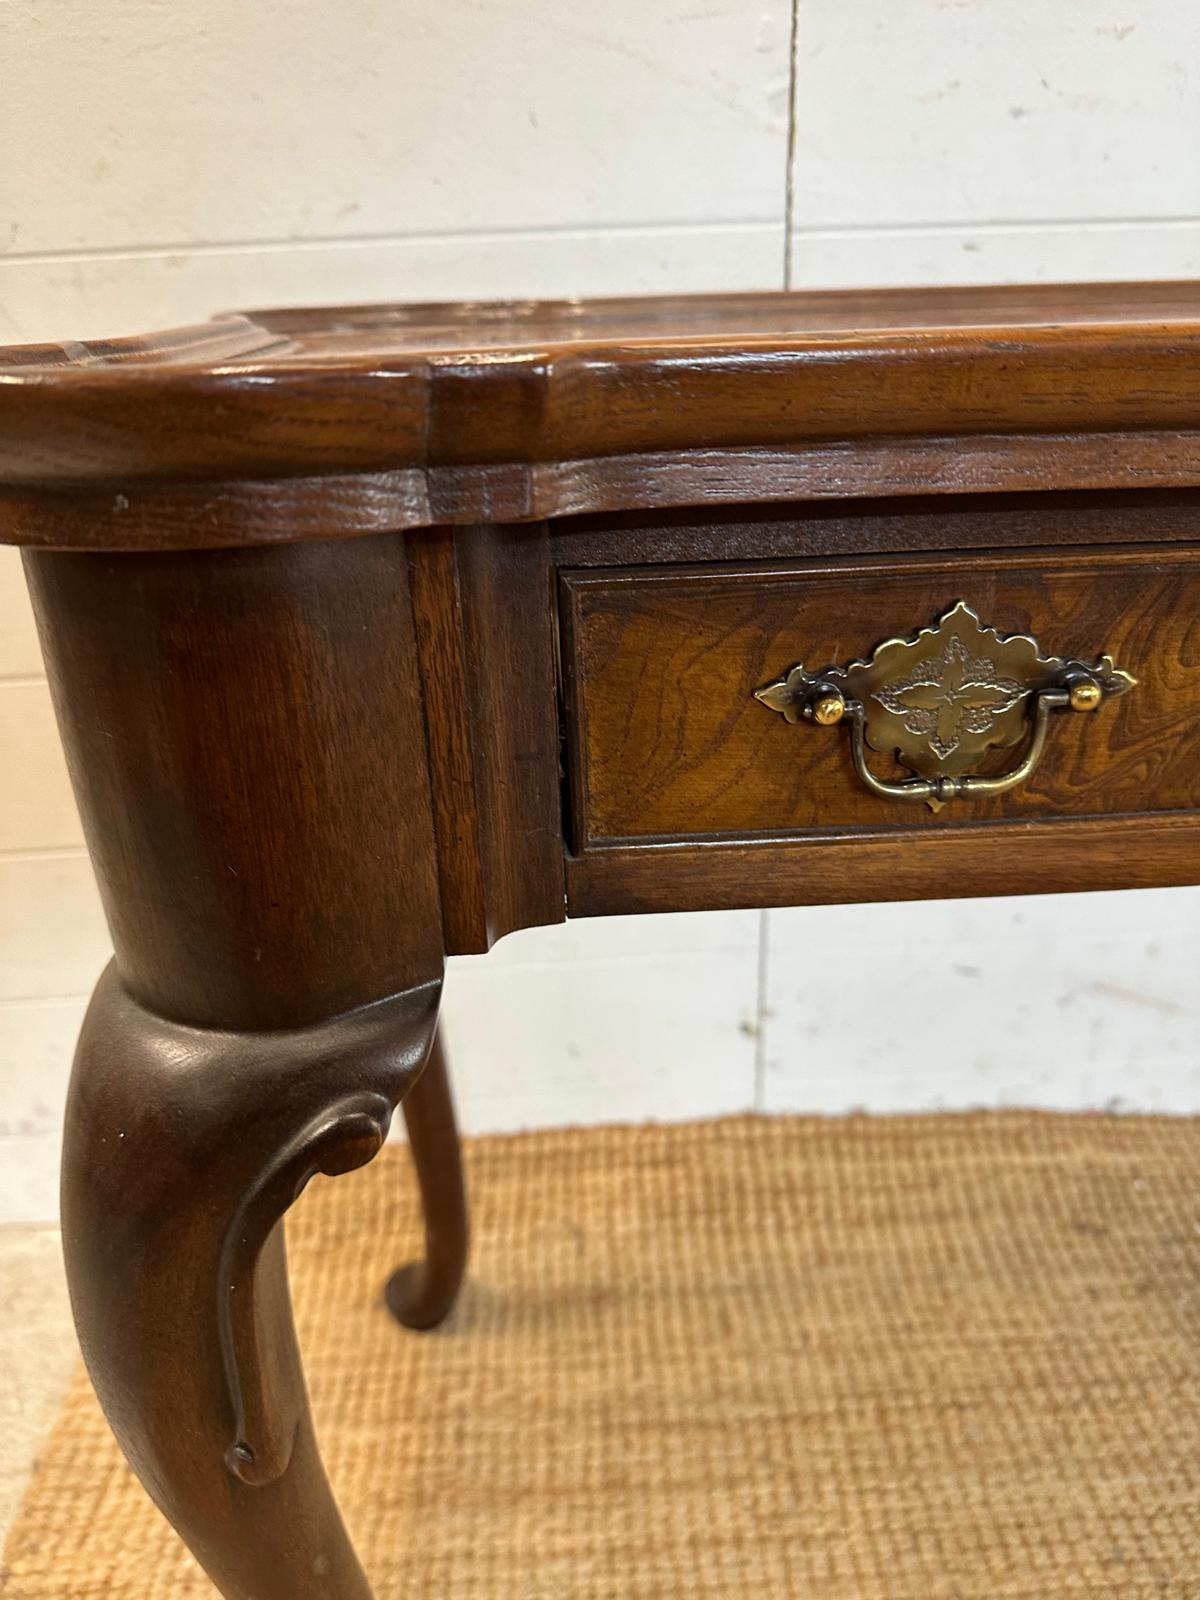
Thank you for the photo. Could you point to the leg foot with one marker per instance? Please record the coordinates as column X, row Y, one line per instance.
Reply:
column 184, row 1147
column 423, row 1293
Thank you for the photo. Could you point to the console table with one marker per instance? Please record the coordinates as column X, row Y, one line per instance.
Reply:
column 377, row 633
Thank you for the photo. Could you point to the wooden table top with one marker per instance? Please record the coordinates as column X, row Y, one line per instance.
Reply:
column 512, row 411
column 284, row 342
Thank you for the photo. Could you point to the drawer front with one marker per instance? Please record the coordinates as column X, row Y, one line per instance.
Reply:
column 667, row 741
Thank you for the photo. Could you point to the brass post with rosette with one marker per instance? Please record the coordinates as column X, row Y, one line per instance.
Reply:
column 938, row 702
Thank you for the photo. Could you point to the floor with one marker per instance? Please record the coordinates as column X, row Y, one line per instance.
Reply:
column 958, row 1360
column 37, row 1353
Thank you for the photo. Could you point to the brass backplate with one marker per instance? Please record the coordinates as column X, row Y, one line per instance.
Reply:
column 940, row 700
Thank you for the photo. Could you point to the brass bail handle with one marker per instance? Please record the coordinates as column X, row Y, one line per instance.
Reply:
column 940, row 700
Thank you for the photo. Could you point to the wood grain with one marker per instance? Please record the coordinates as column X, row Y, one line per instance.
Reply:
column 507, row 593
column 437, row 613
column 184, row 1147
column 808, row 529
column 947, row 863
column 483, row 605
column 668, row 742
column 246, row 741
column 462, row 414
column 315, row 648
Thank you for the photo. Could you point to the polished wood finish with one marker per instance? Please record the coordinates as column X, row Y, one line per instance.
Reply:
column 830, row 528
column 378, row 633
column 668, row 742
column 947, row 863
column 246, row 735
column 487, row 641
column 184, row 1147
column 289, row 425
column 246, row 739
column 422, row 1293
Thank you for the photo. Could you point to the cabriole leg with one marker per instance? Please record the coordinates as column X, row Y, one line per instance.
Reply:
column 246, row 736
column 423, row 1293
column 184, row 1147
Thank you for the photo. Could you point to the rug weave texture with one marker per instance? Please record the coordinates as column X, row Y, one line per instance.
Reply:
column 912, row 1358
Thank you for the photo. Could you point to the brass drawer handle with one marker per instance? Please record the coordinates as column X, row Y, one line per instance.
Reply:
column 940, row 700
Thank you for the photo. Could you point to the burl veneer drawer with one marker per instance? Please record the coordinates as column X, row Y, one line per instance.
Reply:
column 669, row 740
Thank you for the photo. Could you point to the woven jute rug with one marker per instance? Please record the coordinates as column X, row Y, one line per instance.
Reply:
column 887, row 1359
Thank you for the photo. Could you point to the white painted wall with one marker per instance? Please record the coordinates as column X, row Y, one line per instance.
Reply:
column 159, row 162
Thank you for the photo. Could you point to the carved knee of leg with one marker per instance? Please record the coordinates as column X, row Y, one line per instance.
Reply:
column 184, row 1147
